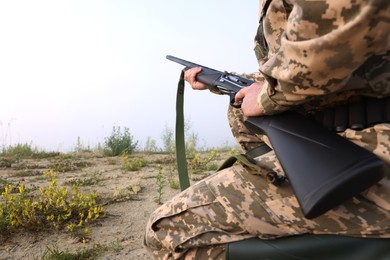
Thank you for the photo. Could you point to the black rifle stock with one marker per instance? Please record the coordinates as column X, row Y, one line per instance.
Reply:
column 323, row 168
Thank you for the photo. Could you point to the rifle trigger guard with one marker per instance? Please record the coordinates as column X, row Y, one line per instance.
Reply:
column 233, row 102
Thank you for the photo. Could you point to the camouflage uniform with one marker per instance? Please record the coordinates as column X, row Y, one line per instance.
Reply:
column 312, row 54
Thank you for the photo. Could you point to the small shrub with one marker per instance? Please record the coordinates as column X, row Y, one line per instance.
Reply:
column 55, row 206
column 6, row 162
column 133, row 164
column 151, row 146
column 172, row 180
column 233, row 151
column 119, row 142
column 160, row 185
column 94, row 179
column 68, row 163
column 199, row 165
column 80, row 147
column 192, row 143
column 174, row 184
column 19, row 151
column 168, row 140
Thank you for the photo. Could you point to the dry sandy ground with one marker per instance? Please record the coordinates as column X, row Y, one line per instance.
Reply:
column 133, row 198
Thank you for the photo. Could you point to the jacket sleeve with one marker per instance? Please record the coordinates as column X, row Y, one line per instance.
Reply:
column 321, row 45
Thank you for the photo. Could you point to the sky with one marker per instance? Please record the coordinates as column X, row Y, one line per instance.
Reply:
column 74, row 69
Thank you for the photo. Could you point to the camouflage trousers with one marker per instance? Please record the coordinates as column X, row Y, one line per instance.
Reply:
column 236, row 204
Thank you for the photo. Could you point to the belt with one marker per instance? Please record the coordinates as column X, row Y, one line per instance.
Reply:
column 357, row 116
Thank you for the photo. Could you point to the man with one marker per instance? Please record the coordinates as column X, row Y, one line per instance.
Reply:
column 313, row 55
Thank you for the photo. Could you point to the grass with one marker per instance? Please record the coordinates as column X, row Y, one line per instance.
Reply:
column 132, row 164
column 94, row 179
column 30, row 209
column 66, row 164
column 200, row 163
column 53, row 253
column 25, row 150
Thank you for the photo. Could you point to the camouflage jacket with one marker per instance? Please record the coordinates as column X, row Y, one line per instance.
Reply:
column 314, row 54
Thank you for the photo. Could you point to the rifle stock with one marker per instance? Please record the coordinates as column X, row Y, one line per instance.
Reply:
column 323, row 168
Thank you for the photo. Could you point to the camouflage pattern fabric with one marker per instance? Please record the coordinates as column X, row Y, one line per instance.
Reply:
column 237, row 203
column 322, row 52
column 312, row 55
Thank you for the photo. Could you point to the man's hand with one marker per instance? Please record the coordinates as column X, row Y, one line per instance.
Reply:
column 248, row 96
column 190, row 77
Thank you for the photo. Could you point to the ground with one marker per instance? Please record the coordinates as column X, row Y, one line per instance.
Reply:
column 129, row 197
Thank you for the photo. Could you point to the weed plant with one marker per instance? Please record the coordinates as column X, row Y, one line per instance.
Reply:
column 7, row 162
column 81, row 148
column 200, row 165
column 151, row 146
column 168, row 140
column 94, row 179
column 3, row 183
column 119, row 142
column 160, row 185
column 133, row 164
column 55, row 207
column 172, row 179
column 20, row 151
column 26, row 173
column 67, row 164
column 53, row 253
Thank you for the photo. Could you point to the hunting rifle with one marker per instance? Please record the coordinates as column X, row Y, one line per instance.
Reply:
column 323, row 168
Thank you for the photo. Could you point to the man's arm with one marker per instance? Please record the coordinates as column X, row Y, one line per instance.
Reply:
column 323, row 43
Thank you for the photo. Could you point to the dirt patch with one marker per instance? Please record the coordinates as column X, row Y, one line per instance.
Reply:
column 129, row 197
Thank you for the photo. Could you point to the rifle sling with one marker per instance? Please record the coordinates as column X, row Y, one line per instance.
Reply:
column 180, row 140
column 245, row 159
column 248, row 161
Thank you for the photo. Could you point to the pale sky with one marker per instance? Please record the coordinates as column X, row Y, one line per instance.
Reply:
column 77, row 68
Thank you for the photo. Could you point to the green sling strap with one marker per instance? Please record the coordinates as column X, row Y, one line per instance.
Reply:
column 180, row 141
column 245, row 159
column 248, row 161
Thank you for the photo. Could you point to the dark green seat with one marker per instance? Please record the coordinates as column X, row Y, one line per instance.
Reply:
column 321, row 247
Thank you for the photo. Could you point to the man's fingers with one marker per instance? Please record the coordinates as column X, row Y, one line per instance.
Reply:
column 190, row 75
column 239, row 95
